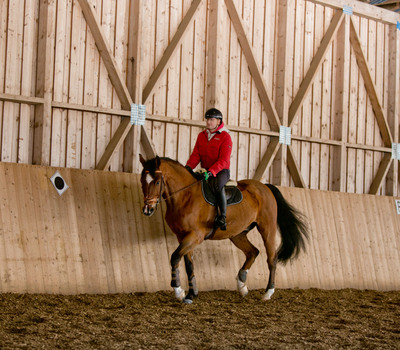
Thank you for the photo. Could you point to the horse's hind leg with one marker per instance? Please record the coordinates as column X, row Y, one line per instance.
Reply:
column 193, row 291
column 241, row 241
column 268, row 236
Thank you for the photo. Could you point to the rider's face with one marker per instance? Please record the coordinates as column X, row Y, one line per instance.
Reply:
column 212, row 123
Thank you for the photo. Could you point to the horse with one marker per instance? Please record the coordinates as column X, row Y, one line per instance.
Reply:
column 191, row 219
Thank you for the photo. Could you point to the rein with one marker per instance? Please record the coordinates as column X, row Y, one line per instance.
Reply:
column 182, row 189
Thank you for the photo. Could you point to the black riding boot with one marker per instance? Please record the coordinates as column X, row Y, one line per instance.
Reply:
column 220, row 221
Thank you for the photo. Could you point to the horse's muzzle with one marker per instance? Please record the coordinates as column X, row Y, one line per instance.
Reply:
column 150, row 206
column 148, row 210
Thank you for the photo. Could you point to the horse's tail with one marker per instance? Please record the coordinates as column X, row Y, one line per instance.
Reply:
column 292, row 226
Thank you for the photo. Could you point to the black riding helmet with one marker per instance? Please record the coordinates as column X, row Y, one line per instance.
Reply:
column 213, row 113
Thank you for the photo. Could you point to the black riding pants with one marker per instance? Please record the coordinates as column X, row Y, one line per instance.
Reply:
column 220, row 180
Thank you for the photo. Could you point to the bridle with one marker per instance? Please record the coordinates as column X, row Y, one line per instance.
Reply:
column 149, row 201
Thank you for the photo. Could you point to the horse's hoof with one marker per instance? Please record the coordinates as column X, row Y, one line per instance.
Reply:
column 179, row 293
column 242, row 288
column 187, row 301
column 268, row 294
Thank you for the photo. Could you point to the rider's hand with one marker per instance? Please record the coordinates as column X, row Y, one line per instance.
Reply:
column 208, row 175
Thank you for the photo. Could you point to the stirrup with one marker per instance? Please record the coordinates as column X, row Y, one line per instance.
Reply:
column 220, row 222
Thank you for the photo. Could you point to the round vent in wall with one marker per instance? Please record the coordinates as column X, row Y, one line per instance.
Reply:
column 59, row 183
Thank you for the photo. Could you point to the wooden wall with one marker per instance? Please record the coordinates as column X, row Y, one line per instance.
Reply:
column 94, row 239
column 69, row 71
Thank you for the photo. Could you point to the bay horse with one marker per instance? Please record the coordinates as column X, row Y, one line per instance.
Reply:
column 191, row 218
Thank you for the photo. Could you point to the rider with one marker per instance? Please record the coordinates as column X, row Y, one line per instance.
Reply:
column 213, row 150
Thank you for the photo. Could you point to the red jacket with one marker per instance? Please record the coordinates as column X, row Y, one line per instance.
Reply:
column 212, row 150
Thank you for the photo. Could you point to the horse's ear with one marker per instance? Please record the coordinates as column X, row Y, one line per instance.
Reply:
column 142, row 160
column 158, row 161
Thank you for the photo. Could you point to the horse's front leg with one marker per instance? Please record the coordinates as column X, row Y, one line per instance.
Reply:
column 186, row 247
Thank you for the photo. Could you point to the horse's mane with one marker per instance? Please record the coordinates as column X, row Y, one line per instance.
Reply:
column 151, row 164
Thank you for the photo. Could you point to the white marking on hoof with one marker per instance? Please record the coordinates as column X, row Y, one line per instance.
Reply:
column 187, row 301
column 268, row 294
column 179, row 293
column 242, row 288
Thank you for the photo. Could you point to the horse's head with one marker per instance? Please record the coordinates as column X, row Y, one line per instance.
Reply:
column 152, row 182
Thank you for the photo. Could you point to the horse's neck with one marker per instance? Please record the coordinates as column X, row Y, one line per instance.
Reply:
column 176, row 179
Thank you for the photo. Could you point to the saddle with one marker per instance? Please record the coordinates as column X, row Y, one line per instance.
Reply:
column 233, row 194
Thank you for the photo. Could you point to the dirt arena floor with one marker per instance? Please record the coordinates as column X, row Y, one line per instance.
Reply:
column 293, row 319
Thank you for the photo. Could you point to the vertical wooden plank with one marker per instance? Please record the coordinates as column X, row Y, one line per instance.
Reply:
column 61, row 82
column 244, row 96
column 391, row 226
column 75, row 93
column 160, row 92
column 185, row 98
column 178, row 80
column 90, row 97
column 57, row 224
column 3, row 48
column 213, row 89
column 120, row 24
column 68, row 238
column 105, row 86
column 298, row 44
column 352, row 122
column 393, row 177
column 109, row 219
column 344, row 242
column 198, row 84
column 368, row 173
column 94, row 247
column 358, row 264
column 148, row 266
column 326, row 108
column 364, row 238
column 256, row 107
column 40, row 188
column 44, row 82
column 27, row 77
column 233, row 105
column 341, row 105
column 12, row 81
column 28, row 230
column 379, row 257
column 361, row 115
column 16, row 275
column 306, row 108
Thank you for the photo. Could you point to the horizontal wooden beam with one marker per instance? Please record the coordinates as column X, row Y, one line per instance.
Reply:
column 362, row 9
column 186, row 122
column 30, row 100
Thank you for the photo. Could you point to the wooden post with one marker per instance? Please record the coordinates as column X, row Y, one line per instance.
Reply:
column 394, row 106
column 285, row 38
column 134, row 83
column 44, row 83
column 340, row 105
column 213, row 88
